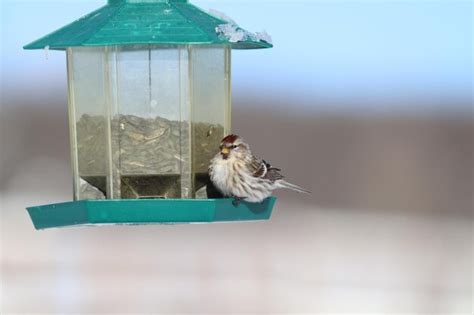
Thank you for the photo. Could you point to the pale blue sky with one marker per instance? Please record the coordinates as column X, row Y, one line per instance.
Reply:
column 349, row 54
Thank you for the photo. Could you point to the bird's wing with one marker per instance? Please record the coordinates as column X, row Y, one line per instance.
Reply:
column 262, row 169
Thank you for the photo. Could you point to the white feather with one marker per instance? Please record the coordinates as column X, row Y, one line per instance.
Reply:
column 233, row 179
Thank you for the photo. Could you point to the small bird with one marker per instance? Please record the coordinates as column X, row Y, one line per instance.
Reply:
column 237, row 173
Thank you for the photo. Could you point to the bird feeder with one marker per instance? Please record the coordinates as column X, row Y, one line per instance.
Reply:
column 149, row 101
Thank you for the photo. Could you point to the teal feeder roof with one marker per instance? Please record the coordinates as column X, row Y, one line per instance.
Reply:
column 149, row 22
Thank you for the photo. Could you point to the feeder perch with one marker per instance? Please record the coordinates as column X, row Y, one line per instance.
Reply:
column 149, row 101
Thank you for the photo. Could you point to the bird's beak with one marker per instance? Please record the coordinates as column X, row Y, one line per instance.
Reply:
column 225, row 152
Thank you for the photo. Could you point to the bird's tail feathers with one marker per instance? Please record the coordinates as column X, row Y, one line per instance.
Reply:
column 285, row 184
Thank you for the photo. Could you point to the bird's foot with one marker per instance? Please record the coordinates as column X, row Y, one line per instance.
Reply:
column 236, row 201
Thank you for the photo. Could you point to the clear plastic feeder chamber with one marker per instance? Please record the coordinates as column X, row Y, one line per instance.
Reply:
column 145, row 121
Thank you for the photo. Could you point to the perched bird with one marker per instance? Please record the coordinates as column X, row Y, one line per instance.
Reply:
column 237, row 173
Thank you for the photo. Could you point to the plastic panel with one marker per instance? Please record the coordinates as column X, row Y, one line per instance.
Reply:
column 210, row 106
column 88, row 121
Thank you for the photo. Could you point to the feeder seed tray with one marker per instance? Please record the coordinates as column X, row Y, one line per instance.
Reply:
column 147, row 211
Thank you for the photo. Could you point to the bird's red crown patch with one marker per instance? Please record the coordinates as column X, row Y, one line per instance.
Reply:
column 230, row 139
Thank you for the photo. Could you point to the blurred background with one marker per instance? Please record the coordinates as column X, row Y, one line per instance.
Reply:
column 366, row 103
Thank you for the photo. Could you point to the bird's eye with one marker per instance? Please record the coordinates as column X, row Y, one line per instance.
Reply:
column 234, row 146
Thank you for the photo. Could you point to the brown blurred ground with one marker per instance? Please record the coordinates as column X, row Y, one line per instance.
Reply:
column 387, row 229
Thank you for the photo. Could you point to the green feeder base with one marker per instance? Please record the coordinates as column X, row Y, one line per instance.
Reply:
column 148, row 211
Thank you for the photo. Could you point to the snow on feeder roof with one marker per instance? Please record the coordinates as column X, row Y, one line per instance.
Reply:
column 151, row 22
